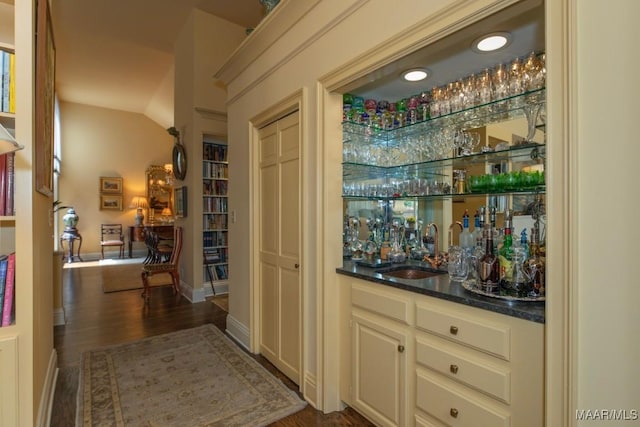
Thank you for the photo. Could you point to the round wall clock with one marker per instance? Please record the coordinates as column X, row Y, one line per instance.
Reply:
column 179, row 161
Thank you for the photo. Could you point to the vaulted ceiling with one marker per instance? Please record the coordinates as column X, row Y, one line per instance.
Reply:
column 119, row 55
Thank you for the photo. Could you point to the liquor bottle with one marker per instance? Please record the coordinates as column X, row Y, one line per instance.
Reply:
column 467, row 241
column 505, row 254
column 488, row 266
column 497, row 237
column 524, row 242
column 534, row 267
column 477, row 231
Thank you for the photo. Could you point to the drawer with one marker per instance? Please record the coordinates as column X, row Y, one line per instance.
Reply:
column 454, row 407
column 386, row 304
column 473, row 371
column 480, row 333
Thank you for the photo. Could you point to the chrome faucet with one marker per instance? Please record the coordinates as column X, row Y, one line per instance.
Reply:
column 459, row 224
column 436, row 261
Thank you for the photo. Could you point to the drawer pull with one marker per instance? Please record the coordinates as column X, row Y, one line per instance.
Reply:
column 400, row 348
column 453, row 330
column 453, row 412
column 453, row 369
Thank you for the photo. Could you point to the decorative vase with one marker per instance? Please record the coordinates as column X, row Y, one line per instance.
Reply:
column 269, row 5
column 70, row 219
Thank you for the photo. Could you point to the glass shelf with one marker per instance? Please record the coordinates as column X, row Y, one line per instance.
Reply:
column 472, row 117
column 440, row 169
column 415, row 143
column 526, row 192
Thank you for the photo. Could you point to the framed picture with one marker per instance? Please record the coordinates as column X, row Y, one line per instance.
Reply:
column 111, row 202
column 111, row 185
column 44, row 105
column 180, row 200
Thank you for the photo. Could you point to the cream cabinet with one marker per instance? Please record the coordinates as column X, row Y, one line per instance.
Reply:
column 381, row 345
column 424, row 361
column 477, row 368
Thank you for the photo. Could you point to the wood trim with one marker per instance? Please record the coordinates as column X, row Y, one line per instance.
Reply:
column 292, row 104
column 234, row 96
column 48, row 391
column 288, row 13
column 562, row 202
column 448, row 20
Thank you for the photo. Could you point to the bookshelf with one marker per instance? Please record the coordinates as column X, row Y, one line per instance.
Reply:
column 215, row 213
column 12, row 332
column 7, row 168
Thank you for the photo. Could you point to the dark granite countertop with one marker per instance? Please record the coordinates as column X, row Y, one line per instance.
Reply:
column 440, row 286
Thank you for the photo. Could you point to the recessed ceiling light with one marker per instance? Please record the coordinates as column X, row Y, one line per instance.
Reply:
column 491, row 42
column 415, row 74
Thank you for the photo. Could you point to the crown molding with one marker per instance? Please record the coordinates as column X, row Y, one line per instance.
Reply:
column 208, row 113
column 286, row 14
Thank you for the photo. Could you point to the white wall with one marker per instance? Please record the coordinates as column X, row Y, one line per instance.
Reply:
column 607, row 283
column 103, row 142
column 203, row 44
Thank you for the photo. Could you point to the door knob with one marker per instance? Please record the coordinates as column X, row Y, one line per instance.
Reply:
column 296, row 265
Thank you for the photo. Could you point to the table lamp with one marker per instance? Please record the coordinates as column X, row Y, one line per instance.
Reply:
column 166, row 214
column 139, row 203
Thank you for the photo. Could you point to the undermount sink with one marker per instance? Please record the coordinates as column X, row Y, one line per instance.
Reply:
column 411, row 273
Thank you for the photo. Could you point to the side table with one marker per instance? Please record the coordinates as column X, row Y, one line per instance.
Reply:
column 71, row 235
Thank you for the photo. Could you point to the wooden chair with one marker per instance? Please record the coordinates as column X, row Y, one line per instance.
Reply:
column 171, row 267
column 111, row 236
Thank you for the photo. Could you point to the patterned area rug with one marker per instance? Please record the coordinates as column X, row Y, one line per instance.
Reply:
column 194, row 377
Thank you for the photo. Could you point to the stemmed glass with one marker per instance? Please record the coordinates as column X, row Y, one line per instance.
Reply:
column 500, row 82
column 484, row 87
column 515, row 77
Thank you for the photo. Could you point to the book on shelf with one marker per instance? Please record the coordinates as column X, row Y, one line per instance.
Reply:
column 7, row 165
column 221, row 271
column 3, row 184
column 9, row 207
column 2, row 59
column 12, row 83
column 4, row 262
column 8, row 314
column 212, row 272
column 8, row 82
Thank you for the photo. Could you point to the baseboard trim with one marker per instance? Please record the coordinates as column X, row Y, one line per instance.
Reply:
column 48, row 391
column 238, row 331
column 310, row 389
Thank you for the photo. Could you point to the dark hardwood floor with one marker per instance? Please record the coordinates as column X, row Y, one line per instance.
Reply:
column 96, row 319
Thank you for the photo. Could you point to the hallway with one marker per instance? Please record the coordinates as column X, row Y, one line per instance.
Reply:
column 96, row 319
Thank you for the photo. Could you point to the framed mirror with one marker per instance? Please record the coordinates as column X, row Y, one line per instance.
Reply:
column 179, row 161
column 159, row 191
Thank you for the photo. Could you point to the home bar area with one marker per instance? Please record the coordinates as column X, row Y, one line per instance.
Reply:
column 421, row 341
column 444, row 232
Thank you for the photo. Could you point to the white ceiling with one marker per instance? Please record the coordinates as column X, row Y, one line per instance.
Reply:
column 119, row 54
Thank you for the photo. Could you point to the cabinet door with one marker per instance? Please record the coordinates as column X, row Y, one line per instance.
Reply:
column 379, row 371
